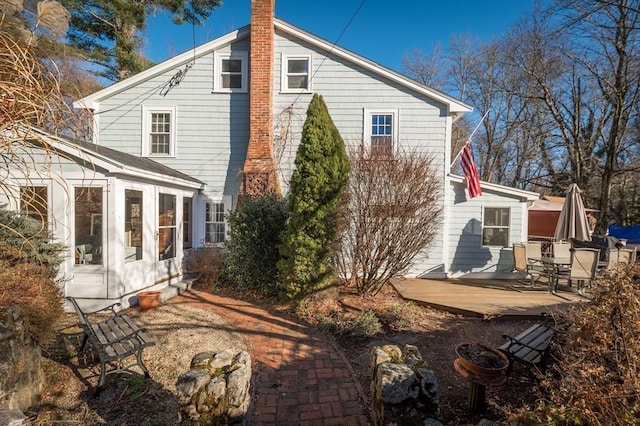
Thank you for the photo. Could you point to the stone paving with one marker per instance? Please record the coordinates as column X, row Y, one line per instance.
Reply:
column 300, row 377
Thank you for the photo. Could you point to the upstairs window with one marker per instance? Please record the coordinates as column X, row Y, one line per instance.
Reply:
column 296, row 75
column 495, row 227
column 231, row 72
column 159, row 132
column 381, row 131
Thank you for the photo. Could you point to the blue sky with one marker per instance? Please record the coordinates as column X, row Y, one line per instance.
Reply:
column 384, row 31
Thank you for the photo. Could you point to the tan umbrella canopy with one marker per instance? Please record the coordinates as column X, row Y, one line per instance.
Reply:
column 573, row 223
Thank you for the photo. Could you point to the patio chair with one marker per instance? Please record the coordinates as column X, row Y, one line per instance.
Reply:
column 534, row 251
column 561, row 249
column 620, row 257
column 584, row 263
column 530, row 268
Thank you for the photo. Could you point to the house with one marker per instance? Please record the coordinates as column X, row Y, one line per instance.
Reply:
column 177, row 144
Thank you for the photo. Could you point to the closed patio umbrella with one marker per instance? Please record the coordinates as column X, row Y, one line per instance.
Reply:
column 573, row 223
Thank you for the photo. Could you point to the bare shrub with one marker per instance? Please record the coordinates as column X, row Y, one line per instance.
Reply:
column 392, row 212
column 596, row 380
column 30, row 287
column 204, row 263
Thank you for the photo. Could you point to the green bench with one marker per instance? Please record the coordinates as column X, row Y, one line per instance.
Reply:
column 531, row 347
column 115, row 339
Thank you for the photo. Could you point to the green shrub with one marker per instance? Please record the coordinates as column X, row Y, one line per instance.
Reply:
column 252, row 253
column 317, row 185
column 22, row 239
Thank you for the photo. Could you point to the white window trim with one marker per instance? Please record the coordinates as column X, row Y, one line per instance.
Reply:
column 218, row 57
column 368, row 113
column 482, row 227
column 226, row 200
column 146, row 129
column 284, row 73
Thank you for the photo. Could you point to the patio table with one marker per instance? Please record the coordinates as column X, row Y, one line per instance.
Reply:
column 554, row 265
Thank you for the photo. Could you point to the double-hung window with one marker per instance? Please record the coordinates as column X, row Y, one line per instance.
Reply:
column 215, row 227
column 296, row 73
column 381, row 131
column 159, row 132
column 231, row 72
column 495, row 226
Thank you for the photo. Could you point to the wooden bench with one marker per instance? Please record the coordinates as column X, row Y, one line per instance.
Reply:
column 530, row 347
column 115, row 339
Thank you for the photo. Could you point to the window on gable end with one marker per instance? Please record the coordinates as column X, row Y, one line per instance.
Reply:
column 231, row 72
column 381, row 131
column 296, row 73
column 159, row 132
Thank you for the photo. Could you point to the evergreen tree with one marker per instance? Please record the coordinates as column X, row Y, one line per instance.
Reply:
column 317, row 184
column 107, row 31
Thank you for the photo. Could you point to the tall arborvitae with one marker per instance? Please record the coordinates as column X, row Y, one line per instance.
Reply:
column 317, row 184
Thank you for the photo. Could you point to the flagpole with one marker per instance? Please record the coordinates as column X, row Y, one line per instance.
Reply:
column 470, row 136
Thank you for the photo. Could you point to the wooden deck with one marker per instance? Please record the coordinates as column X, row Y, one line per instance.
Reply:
column 484, row 298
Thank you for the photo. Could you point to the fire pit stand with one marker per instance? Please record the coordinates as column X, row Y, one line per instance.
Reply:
column 479, row 376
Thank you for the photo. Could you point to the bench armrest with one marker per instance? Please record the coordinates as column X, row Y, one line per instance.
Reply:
column 106, row 308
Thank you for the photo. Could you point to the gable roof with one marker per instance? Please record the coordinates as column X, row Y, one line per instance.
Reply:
column 113, row 161
column 501, row 189
column 454, row 105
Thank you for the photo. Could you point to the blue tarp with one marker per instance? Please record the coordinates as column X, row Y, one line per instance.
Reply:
column 629, row 233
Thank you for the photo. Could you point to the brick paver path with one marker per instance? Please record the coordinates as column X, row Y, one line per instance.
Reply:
column 300, row 377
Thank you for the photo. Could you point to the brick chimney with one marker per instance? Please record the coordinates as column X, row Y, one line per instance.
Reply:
column 259, row 173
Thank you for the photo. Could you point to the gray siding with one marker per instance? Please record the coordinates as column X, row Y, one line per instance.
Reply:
column 212, row 128
column 466, row 254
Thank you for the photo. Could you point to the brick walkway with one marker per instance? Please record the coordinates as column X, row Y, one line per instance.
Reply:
column 300, row 378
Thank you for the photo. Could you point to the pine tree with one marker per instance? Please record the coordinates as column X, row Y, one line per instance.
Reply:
column 317, row 184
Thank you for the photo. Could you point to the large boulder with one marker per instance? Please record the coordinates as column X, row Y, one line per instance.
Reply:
column 216, row 388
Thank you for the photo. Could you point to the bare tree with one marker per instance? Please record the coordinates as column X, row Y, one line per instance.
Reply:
column 391, row 213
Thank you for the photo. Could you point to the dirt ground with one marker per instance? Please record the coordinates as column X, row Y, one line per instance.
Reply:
column 436, row 334
column 68, row 396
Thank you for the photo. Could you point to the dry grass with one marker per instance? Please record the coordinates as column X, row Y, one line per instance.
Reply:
column 179, row 331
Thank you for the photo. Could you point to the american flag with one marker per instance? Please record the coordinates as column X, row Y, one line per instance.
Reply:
column 470, row 171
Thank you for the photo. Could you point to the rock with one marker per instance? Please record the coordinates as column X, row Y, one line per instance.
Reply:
column 222, row 359
column 190, row 383
column 12, row 418
column 216, row 388
column 201, row 361
column 395, row 382
column 403, row 390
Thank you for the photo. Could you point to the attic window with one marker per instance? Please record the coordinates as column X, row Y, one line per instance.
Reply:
column 230, row 70
column 296, row 75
